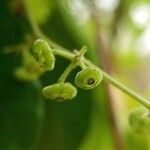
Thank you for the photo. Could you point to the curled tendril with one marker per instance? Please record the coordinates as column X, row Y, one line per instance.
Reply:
column 43, row 54
column 60, row 91
column 139, row 121
column 88, row 78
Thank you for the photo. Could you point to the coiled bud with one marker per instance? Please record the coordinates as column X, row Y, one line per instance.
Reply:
column 139, row 121
column 29, row 71
column 60, row 91
column 88, row 78
column 22, row 75
column 44, row 54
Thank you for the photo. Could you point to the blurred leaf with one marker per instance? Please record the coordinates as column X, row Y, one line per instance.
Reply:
column 41, row 9
column 21, row 106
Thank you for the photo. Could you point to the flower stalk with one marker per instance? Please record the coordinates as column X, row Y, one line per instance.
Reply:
column 58, row 50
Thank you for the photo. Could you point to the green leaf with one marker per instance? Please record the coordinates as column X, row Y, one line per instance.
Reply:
column 21, row 105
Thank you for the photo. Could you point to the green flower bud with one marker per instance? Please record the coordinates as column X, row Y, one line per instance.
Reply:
column 88, row 78
column 139, row 121
column 29, row 71
column 23, row 75
column 44, row 54
column 60, row 91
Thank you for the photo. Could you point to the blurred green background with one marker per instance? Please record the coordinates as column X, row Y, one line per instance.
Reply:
column 117, row 33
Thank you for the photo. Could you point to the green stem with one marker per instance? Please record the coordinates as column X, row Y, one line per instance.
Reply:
column 70, row 56
column 36, row 30
column 63, row 53
column 76, row 60
column 82, row 65
column 126, row 90
column 65, row 74
column 122, row 87
column 112, row 81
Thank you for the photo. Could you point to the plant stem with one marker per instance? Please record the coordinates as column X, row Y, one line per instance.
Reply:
column 36, row 30
column 111, row 80
column 76, row 60
column 65, row 74
column 82, row 65
column 65, row 54
column 126, row 90
column 70, row 56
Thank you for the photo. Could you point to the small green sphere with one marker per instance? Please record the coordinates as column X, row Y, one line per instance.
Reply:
column 60, row 91
column 43, row 54
column 139, row 121
column 88, row 78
